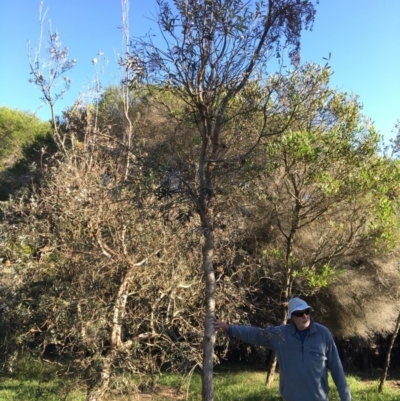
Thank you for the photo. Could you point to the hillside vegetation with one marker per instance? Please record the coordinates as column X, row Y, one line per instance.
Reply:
column 23, row 140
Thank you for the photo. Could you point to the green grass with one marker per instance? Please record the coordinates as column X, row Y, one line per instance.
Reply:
column 29, row 390
column 365, row 388
column 35, row 381
column 249, row 385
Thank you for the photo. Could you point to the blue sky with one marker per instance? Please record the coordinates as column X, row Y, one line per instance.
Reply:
column 363, row 37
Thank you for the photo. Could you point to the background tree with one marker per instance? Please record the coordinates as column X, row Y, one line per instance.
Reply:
column 24, row 142
column 49, row 72
column 325, row 189
column 101, row 277
column 18, row 129
column 73, row 293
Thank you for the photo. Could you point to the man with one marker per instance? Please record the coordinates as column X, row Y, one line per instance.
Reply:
column 305, row 351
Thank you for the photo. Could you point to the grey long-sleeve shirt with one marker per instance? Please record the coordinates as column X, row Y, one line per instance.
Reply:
column 303, row 367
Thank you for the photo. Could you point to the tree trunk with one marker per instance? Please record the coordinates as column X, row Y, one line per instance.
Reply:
column 206, row 201
column 274, row 360
column 271, row 369
column 97, row 392
column 284, row 313
column 387, row 359
column 209, row 332
column 99, row 388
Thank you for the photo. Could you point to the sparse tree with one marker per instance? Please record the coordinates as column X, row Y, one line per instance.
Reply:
column 49, row 72
column 213, row 50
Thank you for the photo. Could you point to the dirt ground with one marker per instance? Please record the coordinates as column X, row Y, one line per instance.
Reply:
column 157, row 393
column 160, row 393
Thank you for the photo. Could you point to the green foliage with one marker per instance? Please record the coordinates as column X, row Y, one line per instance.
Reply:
column 318, row 278
column 330, row 196
column 25, row 144
column 20, row 133
column 383, row 178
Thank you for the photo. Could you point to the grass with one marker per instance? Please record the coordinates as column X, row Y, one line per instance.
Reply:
column 364, row 388
column 36, row 381
column 249, row 385
column 29, row 390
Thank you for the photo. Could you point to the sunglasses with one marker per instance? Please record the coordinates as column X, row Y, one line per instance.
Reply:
column 301, row 313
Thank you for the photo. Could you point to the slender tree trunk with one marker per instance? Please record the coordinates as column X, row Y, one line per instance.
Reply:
column 271, row 369
column 274, row 360
column 125, row 88
column 56, row 133
column 284, row 301
column 387, row 360
column 206, row 201
column 209, row 332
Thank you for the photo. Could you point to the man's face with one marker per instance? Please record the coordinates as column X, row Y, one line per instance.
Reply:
column 301, row 319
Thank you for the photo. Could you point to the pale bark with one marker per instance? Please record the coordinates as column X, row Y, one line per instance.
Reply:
column 209, row 332
column 271, row 369
column 97, row 392
column 206, row 201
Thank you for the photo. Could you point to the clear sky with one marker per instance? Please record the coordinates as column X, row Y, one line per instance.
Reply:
column 363, row 37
